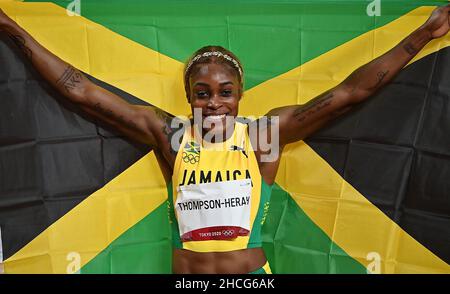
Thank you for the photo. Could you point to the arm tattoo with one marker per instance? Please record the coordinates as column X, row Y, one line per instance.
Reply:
column 410, row 49
column 167, row 128
column 110, row 114
column 380, row 77
column 303, row 112
column 70, row 79
column 20, row 42
column 127, row 122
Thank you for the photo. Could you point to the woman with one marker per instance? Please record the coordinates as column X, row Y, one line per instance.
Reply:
column 217, row 167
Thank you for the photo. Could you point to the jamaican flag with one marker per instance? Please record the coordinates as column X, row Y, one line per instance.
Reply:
column 369, row 193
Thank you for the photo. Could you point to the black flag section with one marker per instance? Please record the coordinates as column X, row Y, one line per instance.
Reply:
column 395, row 150
column 52, row 156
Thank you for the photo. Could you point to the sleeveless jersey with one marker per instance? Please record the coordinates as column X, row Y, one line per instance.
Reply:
column 217, row 200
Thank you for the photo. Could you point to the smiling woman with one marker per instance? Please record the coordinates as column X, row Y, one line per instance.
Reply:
column 213, row 80
column 219, row 186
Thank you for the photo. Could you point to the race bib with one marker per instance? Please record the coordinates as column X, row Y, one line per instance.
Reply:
column 214, row 211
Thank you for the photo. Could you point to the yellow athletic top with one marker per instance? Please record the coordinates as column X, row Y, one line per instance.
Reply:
column 217, row 200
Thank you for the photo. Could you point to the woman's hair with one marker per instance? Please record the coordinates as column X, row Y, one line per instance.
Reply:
column 212, row 54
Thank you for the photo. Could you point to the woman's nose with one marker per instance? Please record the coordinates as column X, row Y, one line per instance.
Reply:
column 214, row 102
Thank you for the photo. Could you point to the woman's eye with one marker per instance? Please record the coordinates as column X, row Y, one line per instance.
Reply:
column 227, row 93
column 202, row 94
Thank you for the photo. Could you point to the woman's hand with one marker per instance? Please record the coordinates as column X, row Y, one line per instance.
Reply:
column 438, row 24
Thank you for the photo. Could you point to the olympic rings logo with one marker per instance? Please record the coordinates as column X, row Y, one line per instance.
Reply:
column 227, row 233
column 190, row 158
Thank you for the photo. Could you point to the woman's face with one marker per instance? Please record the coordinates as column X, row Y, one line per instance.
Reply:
column 215, row 89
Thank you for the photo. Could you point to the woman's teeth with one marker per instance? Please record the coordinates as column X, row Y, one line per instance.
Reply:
column 215, row 117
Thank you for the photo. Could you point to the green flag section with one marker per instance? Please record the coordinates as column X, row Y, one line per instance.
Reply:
column 295, row 244
column 318, row 221
column 269, row 37
column 144, row 248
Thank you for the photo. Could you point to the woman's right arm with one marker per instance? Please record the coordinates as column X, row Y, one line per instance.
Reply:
column 146, row 124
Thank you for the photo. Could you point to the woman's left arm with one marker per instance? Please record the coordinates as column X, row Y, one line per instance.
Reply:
column 299, row 121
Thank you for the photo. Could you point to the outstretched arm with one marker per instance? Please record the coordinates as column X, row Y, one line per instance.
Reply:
column 146, row 124
column 300, row 121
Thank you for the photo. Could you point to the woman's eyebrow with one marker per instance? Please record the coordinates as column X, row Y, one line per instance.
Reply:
column 207, row 85
column 201, row 84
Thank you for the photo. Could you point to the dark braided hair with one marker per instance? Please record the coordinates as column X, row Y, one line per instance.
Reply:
column 236, row 66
